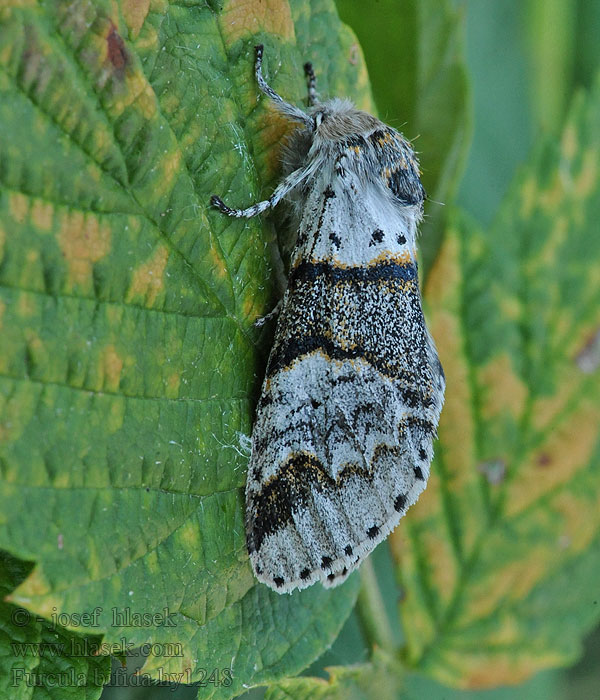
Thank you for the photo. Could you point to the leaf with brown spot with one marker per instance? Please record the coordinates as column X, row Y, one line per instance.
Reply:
column 500, row 558
column 129, row 362
column 117, row 54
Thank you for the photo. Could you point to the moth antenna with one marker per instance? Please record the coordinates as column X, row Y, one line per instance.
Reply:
column 284, row 107
column 312, row 84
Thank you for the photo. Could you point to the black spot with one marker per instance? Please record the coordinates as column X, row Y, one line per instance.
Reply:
column 372, row 532
column 354, row 141
column 330, row 577
column 257, row 473
column 376, row 236
column 326, row 562
column 278, row 581
column 314, row 403
column 148, row 489
column 344, row 571
column 422, row 424
column 419, row 474
column 440, row 370
column 376, row 136
column 405, row 184
column 259, row 570
column 411, row 397
column 328, row 194
column 348, row 550
column 304, row 574
column 422, row 454
column 400, row 502
column 401, row 239
column 335, row 239
column 265, row 400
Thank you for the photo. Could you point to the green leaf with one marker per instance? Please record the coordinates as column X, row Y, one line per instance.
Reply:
column 379, row 678
column 500, row 558
column 39, row 660
column 16, row 627
column 414, row 50
column 129, row 363
column 551, row 44
column 585, row 47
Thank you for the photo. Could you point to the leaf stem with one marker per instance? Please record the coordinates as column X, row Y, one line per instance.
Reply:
column 371, row 611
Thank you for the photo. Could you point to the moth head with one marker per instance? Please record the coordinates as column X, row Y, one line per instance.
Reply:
column 336, row 119
column 370, row 148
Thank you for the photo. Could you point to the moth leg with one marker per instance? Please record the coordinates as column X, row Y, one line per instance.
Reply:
column 284, row 107
column 285, row 186
column 312, row 84
column 267, row 317
column 294, row 178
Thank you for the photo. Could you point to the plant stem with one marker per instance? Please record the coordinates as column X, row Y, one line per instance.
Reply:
column 371, row 611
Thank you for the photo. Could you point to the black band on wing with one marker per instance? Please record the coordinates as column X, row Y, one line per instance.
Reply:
column 387, row 270
column 273, row 507
column 370, row 312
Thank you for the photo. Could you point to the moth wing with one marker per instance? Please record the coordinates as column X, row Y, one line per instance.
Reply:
column 344, row 479
column 343, row 435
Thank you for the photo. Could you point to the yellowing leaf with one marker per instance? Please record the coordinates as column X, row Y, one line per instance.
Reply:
column 500, row 558
column 129, row 362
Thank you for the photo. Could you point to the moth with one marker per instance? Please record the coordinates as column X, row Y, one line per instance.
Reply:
column 343, row 436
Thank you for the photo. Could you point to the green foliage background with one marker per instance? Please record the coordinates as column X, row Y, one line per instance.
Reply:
column 129, row 363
